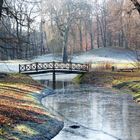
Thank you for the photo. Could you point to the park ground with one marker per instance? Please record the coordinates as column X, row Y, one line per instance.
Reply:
column 22, row 115
column 124, row 81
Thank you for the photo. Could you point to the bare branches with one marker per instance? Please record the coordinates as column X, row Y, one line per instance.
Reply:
column 65, row 16
column 136, row 4
column 18, row 27
column 1, row 7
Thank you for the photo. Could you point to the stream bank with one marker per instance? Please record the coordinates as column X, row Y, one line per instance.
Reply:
column 128, row 81
column 22, row 115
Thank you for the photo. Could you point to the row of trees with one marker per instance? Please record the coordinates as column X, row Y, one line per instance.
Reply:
column 75, row 26
column 21, row 29
column 66, row 26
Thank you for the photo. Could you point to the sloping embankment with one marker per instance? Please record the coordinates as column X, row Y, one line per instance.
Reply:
column 128, row 81
column 22, row 116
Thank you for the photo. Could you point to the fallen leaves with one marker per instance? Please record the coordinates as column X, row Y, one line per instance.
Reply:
column 17, row 104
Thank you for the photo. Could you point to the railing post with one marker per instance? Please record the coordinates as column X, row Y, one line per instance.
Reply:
column 54, row 80
column 88, row 67
column 19, row 69
column 70, row 65
column 36, row 66
column 25, row 67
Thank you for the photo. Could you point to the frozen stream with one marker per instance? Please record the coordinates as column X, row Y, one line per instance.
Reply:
column 91, row 113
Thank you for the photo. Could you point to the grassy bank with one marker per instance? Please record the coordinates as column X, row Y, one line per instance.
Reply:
column 121, row 80
column 22, row 116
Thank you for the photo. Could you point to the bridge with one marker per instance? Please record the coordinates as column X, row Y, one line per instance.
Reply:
column 54, row 67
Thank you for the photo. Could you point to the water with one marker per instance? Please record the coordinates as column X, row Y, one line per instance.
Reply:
column 62, row 80
column 91, row 113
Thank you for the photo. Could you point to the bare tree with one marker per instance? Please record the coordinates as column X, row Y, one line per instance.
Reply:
column 17, row 25
column 64, row 16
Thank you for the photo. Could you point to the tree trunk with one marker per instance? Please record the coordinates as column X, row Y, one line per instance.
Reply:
column 102, row 35
column 1, row 4
column 27, row 54
column 98, row 30
column 65, row 44
column 86, row 37
column 109, row 39
column 81, row 37
column 91, row 34
column 104, row 31
column 19, row 50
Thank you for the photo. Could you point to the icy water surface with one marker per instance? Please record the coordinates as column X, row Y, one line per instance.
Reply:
column 92, row 113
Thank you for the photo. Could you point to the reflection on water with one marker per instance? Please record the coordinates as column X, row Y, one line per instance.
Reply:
column 62, row 80
column 59, row 76
column 59, row 84
column 100, row 114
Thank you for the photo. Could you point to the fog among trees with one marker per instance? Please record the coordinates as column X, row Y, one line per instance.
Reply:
column 33, row 27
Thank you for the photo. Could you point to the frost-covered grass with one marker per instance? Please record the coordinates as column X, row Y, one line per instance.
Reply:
column 116, row 56
column 121, row 80
column 22, row 115
column 133, row 86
